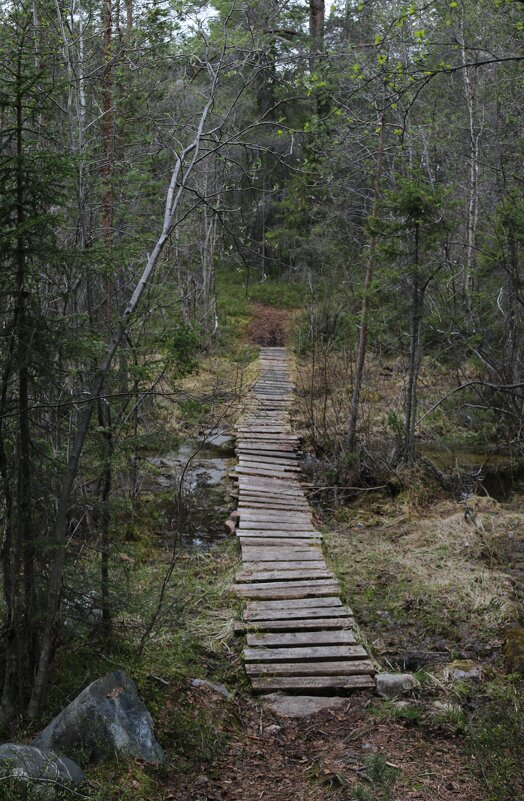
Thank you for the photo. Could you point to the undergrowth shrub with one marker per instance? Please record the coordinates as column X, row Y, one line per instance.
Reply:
column 496, row 741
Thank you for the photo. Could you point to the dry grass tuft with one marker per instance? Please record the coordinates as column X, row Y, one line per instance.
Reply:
column 431, row 575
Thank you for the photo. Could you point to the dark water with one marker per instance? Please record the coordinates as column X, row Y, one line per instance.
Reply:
column 499, row 475
column 193, row 480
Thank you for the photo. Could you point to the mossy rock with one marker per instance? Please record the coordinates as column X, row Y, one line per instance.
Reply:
column 514, row 649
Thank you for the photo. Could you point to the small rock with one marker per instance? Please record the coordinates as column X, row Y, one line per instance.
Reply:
column 201, row 780
column 39, row 768
column 402, row 705
column 445, row 708
column 390, row 685
column 107, row 719
column 221, row 689
column 274, row 729
column 300, row 706
column 463, row 670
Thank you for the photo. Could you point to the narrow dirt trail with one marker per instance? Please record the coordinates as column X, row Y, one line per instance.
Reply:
column 349, row 752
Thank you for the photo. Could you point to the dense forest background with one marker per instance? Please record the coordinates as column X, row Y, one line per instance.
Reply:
column 162, row 165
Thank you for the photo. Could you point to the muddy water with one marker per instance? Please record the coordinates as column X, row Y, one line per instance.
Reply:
column 498, row 475
column 195, row 489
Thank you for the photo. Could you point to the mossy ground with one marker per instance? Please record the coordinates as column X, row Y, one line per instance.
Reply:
column 433, row 593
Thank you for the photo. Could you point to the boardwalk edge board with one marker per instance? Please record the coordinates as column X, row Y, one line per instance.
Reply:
column 299, row 635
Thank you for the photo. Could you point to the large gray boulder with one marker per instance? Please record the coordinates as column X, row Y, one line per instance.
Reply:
column 36, row 773
column 107, row 719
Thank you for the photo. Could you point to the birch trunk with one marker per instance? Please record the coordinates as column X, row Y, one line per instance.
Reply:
column 364, row 314
column 174, row 193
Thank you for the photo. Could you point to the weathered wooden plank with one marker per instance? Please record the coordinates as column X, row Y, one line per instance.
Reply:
column 264, row 484
column 266, row 498
column 302, row 638
column 270, row 495
column 273, row 434
column 278, row 436
column 342, row 668
column 261, row 505
column 264, row 447
column 274, row 526
column 303, row 613
column 304, row 527
column 289, row 590
column 301, row 518
column 304, row 553
column 267, row 461
column 272, row 443
column 268, row 464
column 267, row 541
column 288, row 488
column 266, row 560
column 314, row 653
column 263, row 424
column 273, row 683
column 246, row 496
column 283, row 575
column 303, row 603
column 247, row 499
column 281, row 564
column 277, row 585
column 269, row 454
column 274, row 533
column 272, row 523
column 264, row 472
column 308, row 624
column 288, row 491
column 291, row 503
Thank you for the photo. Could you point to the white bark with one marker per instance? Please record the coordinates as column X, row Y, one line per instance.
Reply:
column 175, row 190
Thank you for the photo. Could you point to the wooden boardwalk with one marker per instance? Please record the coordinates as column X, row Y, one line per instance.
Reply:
column 299, row 634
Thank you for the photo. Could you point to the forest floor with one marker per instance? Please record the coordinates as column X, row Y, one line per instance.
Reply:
column 353, row 751
column 431, row 593
column 431, row 597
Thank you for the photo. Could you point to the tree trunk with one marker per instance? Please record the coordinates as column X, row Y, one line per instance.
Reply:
column 175, row 190
column 316, row 26
column 364, row 314
column 415, row 356
column 18, row 548
column 470, row 87
column 104, row 421
column 107, row 145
